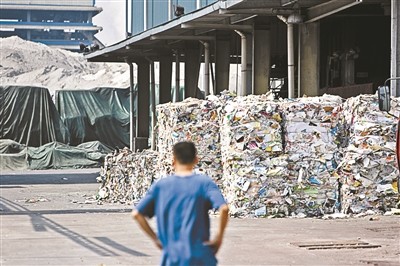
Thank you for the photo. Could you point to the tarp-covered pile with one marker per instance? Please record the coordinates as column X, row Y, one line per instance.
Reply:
column 13, row 156
column 28, row 116
column 251, row 140
column 191, row 120
column 53, row 155
column 100, row 114
column 126, row 176
column 311, row 128
column 368, row 170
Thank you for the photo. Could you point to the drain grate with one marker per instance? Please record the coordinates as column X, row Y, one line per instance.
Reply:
column 334, row 245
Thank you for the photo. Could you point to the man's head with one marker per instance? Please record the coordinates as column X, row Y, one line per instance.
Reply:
column 185, row 153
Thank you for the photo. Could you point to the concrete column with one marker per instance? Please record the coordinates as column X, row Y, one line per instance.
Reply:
column 309, row 59
column 290, row 46
column 262, row 61
column 132, row 121
column 176, row 97
column 249, row 68
column 192, row 68
column 395, row 46
column 222, row 64
column 165, row 79
column 143, row 100
column 206, row 77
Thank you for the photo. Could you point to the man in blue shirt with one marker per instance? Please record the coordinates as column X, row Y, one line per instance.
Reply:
column 181, row 203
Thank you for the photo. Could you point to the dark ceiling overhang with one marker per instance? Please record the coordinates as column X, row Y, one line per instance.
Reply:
column 173, row 35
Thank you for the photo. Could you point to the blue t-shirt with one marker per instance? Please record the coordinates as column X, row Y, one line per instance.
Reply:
column 181, row 205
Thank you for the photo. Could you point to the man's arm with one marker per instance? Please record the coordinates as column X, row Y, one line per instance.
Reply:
column 223, row 221
column 142, row 221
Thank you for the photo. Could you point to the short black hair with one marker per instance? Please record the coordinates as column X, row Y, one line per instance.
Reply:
column 185, row 152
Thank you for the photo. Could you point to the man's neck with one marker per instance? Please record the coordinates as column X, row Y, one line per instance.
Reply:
column 183, row 170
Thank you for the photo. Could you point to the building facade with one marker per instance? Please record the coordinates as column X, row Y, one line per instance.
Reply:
column 146, row 14
column 59, row 23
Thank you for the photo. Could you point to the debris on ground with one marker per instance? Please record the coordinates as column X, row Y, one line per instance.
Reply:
column 36, row 199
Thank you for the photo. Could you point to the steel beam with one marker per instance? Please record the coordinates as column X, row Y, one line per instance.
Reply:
column 183, row 38
column 260, row 11
column 326, row 9
column 216, row 26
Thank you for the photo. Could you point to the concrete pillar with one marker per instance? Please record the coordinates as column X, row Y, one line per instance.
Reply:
column 192, row 68
column 309, row 59
column 176, row 97
column 165, row 79
column 290, row 47
column 206, row 73
column 395, row 46
column 250, row 60
column 143, row 100
column 222, row 64
column 262, row 61
column 132, row 122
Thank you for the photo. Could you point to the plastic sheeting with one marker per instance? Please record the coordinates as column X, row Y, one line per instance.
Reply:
column 15, row 156
column 100, row 114
column 28, row 116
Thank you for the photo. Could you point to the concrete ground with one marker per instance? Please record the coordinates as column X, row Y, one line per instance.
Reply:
column 49, row 218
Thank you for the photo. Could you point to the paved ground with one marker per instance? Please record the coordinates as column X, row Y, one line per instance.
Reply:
column 45, row 221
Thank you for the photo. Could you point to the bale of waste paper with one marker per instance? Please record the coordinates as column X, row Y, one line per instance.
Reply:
column 252, row 154
column 312, row 136
column 191, row 120
column 126, row 176
column 368, row 171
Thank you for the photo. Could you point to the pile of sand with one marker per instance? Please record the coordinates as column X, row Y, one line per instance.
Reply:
column 34, row 64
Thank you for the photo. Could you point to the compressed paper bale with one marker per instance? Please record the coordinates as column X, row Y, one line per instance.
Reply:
column 368, row 171
column 191, row 120
column 127, row 176
column 312, row 134
column 251, row 146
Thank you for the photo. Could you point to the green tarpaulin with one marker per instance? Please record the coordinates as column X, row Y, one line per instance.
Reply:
column 54, row 155
column 28, row 116
column 99, row 114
